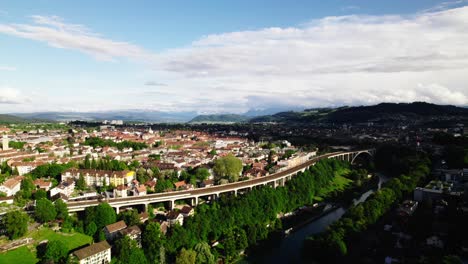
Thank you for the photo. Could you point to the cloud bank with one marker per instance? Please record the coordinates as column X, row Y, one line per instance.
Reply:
column 56, row 33
column 338, row 60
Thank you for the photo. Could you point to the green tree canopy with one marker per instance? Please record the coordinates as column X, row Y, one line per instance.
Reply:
column 204, row 255
column 228, row 167
column 152, row 241
column 56, row 251
column 130, row 217
column 45, row 210
column 104, row 215
column 16, row 224
column 127, row 252
column 62, row 209
column 186, row 257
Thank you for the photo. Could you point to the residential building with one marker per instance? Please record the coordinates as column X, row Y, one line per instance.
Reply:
column 133, row 232
column 174, row 217
column 187, row 211
column 43, row 184
column 66, row 188
column 111, row 231
column 99, row 177
column 97, row 253
column 120, row 191
column 10, row 187
column 139, row 190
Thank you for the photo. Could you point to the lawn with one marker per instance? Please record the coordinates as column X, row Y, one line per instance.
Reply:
column 339, row 183
column 27, row 254
column 71, row 240
column 20, row 255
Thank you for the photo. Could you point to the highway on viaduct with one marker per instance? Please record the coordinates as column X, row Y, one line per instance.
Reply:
column 276, row 179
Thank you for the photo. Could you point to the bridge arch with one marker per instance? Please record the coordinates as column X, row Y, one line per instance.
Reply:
column 364, row 152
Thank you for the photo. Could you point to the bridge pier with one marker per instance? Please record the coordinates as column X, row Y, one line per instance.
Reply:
column 194, row 201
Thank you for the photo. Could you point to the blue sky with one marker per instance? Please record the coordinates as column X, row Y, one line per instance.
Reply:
column 220, row 56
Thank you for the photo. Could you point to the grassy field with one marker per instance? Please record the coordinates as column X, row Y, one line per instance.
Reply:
column 21, row 255
column 27, row 254
column 339, row 183
column 71, row 240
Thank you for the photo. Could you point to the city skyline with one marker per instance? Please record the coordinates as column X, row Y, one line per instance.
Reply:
column 213, row 58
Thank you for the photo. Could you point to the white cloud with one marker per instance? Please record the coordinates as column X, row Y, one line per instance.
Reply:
column 56, row 33
column 445, row 5
column 7, row 68
column 11, row 96
column 353, row 59
column 333, row 61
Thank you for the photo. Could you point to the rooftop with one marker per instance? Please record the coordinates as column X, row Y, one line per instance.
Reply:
column 91, row 250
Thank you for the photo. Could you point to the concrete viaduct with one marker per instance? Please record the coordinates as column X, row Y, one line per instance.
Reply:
column 274, row 180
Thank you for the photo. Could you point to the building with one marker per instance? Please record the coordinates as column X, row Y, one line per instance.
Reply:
column 43, row 184
column 175, row 217
column 96, row 253
column 133, row 232
column 120, row 191
column 66, row 188
column 407, row 208
column 26, row 167
column 187, row 211
column 144, row 217
column 139, row 190
column 111, row 231
column 10, row 187
column 100, row 177
column 5, row 142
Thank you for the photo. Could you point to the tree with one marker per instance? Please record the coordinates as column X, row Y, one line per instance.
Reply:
column 130, row 217
column 186, row 257
column 152, row 241
column 62, row 209
column 16, row 224
column 451, row 259
column 56, row 251
column 228, row 167
column 204, row 255
column 127, row 252
column 87, row 162
column 81, row 183
column 27, row 186
column 45, row 210
column 91, row 229
column 202, row 174
column 104, row 215
column 39, row 194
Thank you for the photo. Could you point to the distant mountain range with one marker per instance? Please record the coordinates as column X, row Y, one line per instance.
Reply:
column 127, row 115
column 223, row 118
column 6, row 119
column 384, row 112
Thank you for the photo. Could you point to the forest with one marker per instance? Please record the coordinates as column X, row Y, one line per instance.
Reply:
column 333, row 244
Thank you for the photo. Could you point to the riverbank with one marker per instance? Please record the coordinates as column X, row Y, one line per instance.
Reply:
column 278, row 248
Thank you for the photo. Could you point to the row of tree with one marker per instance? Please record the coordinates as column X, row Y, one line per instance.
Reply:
column 238, row 222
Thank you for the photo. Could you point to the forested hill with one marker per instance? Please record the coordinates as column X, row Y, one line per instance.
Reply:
column 222, row 118
column 9, row 119
column 375, row 113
